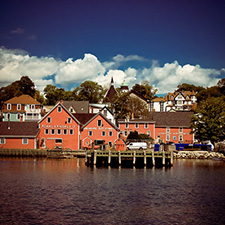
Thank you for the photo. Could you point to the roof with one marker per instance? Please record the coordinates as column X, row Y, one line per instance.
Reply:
column 138, row 95
column 19, row 129
column 23, row 99
column 78, row 106
column 158, row 99
column 135, row 120
column 83, row 118
column 172, row 119
column 184, row 93
column 111, row 93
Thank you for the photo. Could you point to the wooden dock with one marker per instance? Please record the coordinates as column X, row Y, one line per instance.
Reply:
column 138, row 157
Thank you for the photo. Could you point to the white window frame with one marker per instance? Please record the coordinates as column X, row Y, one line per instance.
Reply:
column 99, row 123
column 71, row 131
column 53, row 131
column 69, row 120
column 18, row 116
column 25, row 141
column 32, row 106
column 167, row 137
column 59, row 131
column 65, row 131
column 2, row 141
column 149, row 133
column 46, row 131
column 90, row 133
column 18, row 107
column 125, row 133
column 110, row 133
column 126, row 125
column 168, row 130
column 136, row 125
column 59, row 109
column 146, row 126
column 180, row 129
column 180, row 137
column 103, row 133
column 49, row 119
column 9, row 106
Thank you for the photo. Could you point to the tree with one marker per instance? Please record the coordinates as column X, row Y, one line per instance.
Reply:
column 209, row 121
column 189, row 87
column 145, row 89
column 89, row 91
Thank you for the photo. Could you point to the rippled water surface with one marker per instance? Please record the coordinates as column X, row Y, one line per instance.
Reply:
column 67, row 192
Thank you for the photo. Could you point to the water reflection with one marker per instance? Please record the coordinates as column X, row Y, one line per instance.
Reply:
column 65, row 191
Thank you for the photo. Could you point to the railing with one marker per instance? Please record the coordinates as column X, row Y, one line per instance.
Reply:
column 32, row 117
column 33, row 110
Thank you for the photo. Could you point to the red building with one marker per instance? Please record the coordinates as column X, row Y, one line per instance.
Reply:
column 18, row 135
column 59, row 129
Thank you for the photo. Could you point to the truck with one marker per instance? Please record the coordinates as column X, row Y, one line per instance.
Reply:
column 137, row 145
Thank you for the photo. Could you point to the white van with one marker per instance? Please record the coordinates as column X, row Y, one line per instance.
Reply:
column 137, row 145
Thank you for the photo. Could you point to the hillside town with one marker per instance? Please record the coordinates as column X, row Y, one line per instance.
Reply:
column 28, row 124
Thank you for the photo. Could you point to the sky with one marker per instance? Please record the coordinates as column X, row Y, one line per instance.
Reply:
column 64, row 43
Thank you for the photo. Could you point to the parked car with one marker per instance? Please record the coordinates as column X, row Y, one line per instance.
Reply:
column 137, row 145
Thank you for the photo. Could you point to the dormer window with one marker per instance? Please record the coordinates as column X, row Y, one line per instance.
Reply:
column 9, row 106
column 18, row 107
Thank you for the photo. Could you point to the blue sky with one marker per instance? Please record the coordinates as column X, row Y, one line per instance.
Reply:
column 67, row 42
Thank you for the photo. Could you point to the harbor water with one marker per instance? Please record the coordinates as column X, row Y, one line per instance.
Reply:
column 66, row 191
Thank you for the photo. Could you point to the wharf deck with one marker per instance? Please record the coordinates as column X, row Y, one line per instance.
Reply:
column 144, row 157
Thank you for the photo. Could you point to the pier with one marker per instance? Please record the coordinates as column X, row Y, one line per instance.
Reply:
column 135, row 158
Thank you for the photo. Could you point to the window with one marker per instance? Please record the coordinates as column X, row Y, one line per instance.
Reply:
column 167, row 130
column 146, row 125
column 181, row 130
column 69, row 120
column 174, row 138
column 103, row 133
column 25, row 141
column 32, row 106
column 126, row 125
column 180, row 137
column 90, row 133
column 18, row 116
column 149, row 133
column 8, row 106
column 65, row 131
column 58, row 141
column 42, row 142
column 48, row 119
column 99, row 123
column 151, row 106
column 46, row 131
column 125, row 133
column 136, row 125
column 2, row 140
column 71, row 131
column 110, row 133
column 18, row 106
column 161, row 106
column 53, row 131
column 105, row 112
column 110, row 143
column 8, row 116
column 58, row 131
column 167, row 137
column 59, row 109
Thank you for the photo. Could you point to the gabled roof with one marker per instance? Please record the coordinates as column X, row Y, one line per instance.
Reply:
column 59, row 103
column 23, row 99
column 183, row 93
column 83, row 118
column 111, row 93
column 138, row 95
column 19, row 129
column 136, row 120
column 158, row 99
column 78, row 106
column 91, row 117
column 105, row 107
column 172, row 119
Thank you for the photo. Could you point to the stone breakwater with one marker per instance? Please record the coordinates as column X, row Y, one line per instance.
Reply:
column 197, row 155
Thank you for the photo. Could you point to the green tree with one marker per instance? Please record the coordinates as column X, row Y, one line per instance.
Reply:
column 145, row 89
column 189, row 87
column 89, row 91
column 209, row 121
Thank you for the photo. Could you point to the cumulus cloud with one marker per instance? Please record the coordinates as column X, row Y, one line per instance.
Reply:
column 79, row 70
column 48, row 70
column 13, row 65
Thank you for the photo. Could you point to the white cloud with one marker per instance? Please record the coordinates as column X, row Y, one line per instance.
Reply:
column 13, row 65
column 166, row 78
column 79, row 70
column 18, row 31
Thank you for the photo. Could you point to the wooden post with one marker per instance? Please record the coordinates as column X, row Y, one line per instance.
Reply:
column 134, row 157
column 86, row 158
column 109, row 157
column 153, row 158
column 145, row 158
column 95, row 157
column 171, row 158
column 163, row 158
column 119, row 158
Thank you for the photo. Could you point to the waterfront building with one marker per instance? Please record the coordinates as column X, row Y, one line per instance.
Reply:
column 96, row 129
column 22, row 108
column 18, row 135
column 59, row 129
